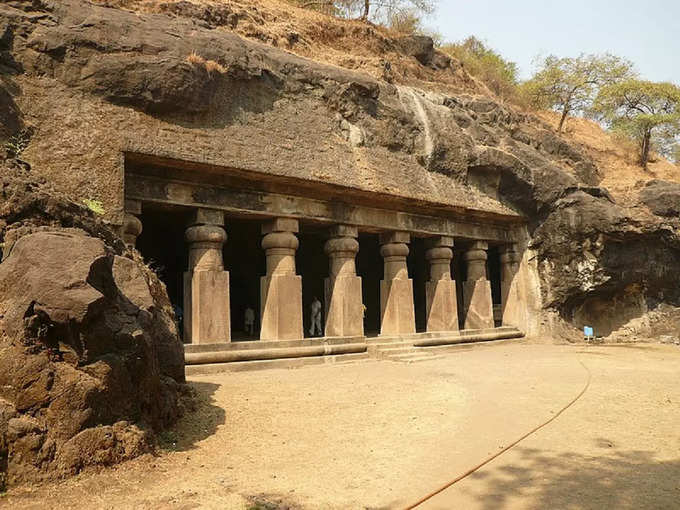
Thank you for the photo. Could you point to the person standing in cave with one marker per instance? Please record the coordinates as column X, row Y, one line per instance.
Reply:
column 249, row 320
column 315, row 318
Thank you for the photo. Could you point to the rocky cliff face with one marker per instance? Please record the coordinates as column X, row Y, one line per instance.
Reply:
column 90, row 362
column 82, row 83
column 271, row 107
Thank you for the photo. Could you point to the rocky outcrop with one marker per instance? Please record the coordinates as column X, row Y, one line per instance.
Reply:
column 662, row 198
column 90, row 361
column 296, row 116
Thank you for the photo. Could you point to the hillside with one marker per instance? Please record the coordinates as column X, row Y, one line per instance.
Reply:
column 615, row 157
column 351, row 44
column 384, row 54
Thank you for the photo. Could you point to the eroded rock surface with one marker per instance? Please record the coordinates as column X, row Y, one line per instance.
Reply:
column 662, row 198
column 90, row 361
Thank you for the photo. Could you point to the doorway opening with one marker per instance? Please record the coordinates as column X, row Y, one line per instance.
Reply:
column 162, row 245
column 459, row 274
column 417, row 271
column 312, row 265
column 370, row 268
column 493, row 270
column 245, row 260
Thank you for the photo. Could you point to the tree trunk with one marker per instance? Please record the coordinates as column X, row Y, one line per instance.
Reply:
column 645, row 146
column 565, row 112
column 367, row 6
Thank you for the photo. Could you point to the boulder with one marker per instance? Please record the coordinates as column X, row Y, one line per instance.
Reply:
column 421, row 47
column 662, row 198
column 91, row 366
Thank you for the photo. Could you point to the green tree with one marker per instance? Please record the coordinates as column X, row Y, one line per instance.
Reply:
column 500, row 75
column 569, row 85
column 648, row 112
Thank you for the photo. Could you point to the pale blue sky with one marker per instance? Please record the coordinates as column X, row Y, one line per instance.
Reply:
column 644, row 31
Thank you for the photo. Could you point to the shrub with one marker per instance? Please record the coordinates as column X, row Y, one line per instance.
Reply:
column 482, row 62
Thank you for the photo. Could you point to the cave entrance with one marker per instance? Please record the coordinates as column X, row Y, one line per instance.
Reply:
column 493, row 271
column 162, row 245
column 245, row 260
column 312, row 265
column 370, row 268
column 418, row 269
column 459, row 274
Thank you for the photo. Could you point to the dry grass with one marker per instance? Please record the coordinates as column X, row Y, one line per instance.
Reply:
column 615, row 155
column 210, row 65
column 352, row 44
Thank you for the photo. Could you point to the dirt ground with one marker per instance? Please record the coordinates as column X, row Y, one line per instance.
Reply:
column 384, row 434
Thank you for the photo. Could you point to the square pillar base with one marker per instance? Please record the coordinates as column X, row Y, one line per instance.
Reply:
column 397, row 311
column 206, row 307
column 442, row 307
column 513, row 304
column 478, row 304
column 344, row 306
column 281, row 307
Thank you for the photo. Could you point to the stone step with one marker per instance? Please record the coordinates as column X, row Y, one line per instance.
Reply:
column 395, row 350
column 459, row 346
column 413, row 358
column 285, row 363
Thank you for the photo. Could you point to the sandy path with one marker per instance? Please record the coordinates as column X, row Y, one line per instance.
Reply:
column 383, row 434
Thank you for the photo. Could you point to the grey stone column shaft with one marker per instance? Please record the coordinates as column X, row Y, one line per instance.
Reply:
column 477, row 289
column 281, row 288
column 207, row 316
column 440, row 290
column 342, row 288
column 396, row 289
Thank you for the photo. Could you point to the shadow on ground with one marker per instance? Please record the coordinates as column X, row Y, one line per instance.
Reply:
column 614, row 479
column 198, row 423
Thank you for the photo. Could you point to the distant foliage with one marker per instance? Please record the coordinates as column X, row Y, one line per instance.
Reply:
column 499, row 74
column 676, row 153
column 648, row 112
column 569, row 85
column 403, row 15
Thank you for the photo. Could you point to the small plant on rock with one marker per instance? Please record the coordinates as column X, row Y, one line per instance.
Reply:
column 209, row 65
column 95, row 206
column 18, row 143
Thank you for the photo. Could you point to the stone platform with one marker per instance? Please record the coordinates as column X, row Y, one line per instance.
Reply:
column 256, row 355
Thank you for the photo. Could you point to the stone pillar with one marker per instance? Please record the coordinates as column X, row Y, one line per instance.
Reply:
column 344, row 303
column 132, row 225
column 397, row 311
column 477, row 289
column 512, row 303
column 206, row 284
column 440, row 290
column 281, row 288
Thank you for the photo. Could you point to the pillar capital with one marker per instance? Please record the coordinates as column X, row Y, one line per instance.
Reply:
column 343, row 231
column 476, row 253
column 133, row 207
column 280, row 250
column 202, row 216
column 281, row 225
column 132, row 227
column 439, row 242
column 509, row 255
column 395, row 237
column 205, row 247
